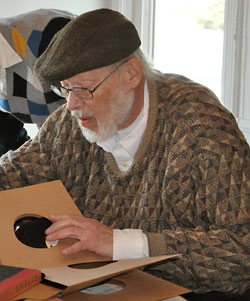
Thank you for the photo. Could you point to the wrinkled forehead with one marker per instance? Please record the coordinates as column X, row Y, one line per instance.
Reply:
column 94, row 75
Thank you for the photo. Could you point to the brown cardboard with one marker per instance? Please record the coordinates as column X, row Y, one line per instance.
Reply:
column 36, row 200
column 76, row 279
column 43, row 200
column 137, row 286
column 35, row 299
column 80, row 278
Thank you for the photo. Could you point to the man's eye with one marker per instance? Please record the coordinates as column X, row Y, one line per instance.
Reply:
column 64, row 90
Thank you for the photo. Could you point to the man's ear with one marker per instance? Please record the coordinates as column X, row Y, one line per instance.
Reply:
column 134, row 72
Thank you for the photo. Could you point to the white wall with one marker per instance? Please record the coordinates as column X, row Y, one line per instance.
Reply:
column 13, row 7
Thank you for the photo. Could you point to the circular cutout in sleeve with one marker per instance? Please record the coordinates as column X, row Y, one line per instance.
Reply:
column 30, row 230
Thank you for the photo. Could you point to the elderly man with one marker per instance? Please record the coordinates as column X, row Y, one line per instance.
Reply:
column 154, row 161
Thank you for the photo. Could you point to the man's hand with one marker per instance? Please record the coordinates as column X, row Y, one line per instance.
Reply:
column 92, row 235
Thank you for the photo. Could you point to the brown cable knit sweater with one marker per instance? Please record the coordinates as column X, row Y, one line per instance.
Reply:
column 188, row 188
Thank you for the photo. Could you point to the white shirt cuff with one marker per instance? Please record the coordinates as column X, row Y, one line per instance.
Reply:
column 129, row 243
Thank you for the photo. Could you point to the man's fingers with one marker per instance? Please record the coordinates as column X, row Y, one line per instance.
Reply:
column 75, row 248
column 69, row 232
column 91, row 234
column 64, row 221
column 56, row 217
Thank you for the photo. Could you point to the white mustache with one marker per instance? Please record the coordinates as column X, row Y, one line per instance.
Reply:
column 79, row 114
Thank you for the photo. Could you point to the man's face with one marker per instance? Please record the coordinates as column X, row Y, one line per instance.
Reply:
column 101, row 117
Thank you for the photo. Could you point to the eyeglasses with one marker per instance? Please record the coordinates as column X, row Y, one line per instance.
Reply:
column 81, row 92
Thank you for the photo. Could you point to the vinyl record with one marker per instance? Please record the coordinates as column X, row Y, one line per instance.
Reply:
column 30, row 230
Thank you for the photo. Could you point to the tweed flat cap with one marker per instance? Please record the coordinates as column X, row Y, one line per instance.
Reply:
column 92, row 40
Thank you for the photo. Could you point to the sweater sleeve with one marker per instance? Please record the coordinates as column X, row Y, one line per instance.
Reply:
column 212, row 231
column 35, row 161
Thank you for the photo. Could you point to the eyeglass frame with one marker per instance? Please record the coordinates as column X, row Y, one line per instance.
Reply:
column 68, row 90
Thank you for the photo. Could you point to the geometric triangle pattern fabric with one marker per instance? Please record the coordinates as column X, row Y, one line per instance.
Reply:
column 37, row 109
column 34, row 41
column 4, row 104
column 47, row 34
column 25, row 118
column 19, row 42
column 20, row 86
column 28, row 35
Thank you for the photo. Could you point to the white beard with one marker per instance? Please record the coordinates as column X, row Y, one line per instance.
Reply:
column 120, row 108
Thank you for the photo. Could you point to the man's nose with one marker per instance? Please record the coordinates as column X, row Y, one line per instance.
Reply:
column 73, row 102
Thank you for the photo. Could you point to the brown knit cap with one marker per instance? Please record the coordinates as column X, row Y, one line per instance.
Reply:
column 92, row 40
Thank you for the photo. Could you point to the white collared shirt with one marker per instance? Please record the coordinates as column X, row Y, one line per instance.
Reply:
column 128, row 243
